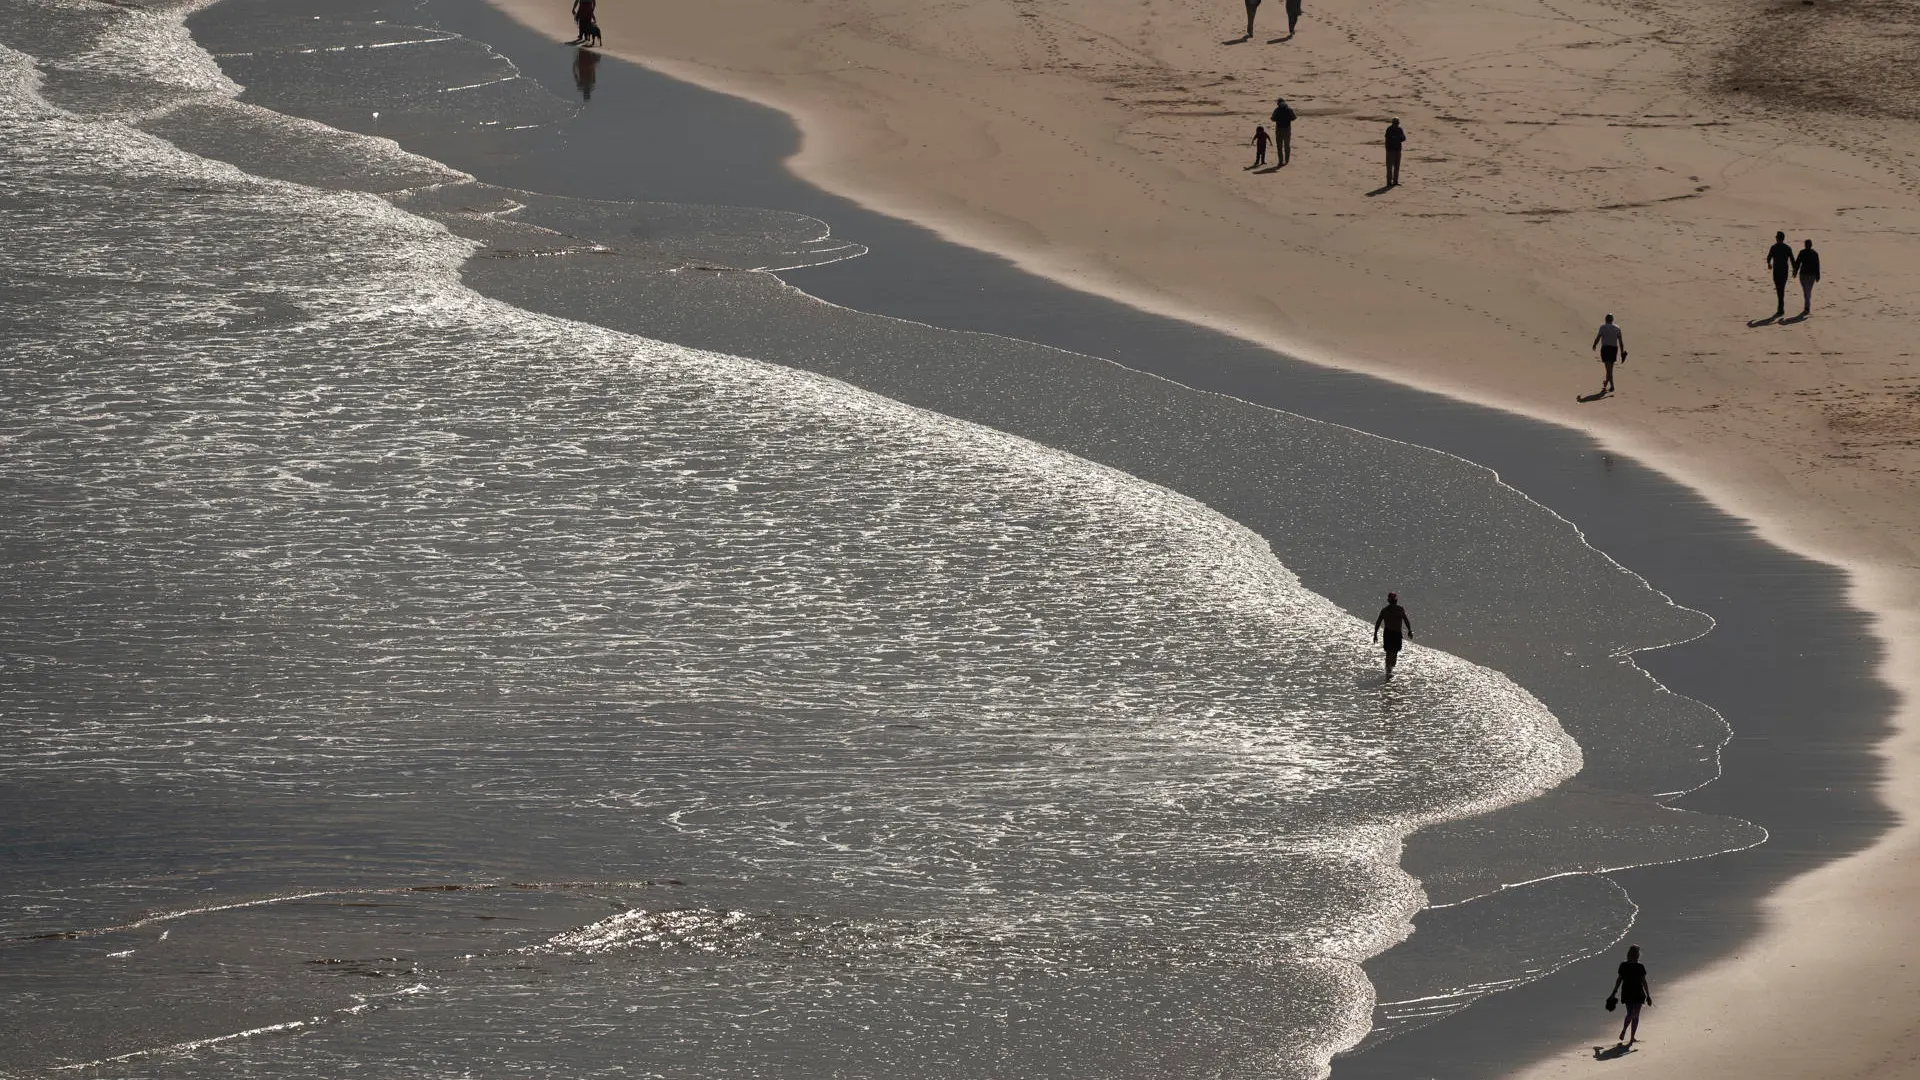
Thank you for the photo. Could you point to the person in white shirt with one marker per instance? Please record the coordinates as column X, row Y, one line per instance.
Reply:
column 1613, row 348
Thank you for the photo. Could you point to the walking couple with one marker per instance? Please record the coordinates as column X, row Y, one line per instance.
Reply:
column 1785, row 264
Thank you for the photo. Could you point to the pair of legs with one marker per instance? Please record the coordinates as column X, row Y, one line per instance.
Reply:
column 1779, row 294
column 1259, row 154
column 1806, row 294
column 1608, row 356
column 1630, row 1025
column 1392, row 646
column 1393, row 167
column 1283, row 145
column 1293, row 18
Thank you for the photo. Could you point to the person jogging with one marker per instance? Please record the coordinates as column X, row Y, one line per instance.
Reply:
column 1613, row 349
column 1393, row 620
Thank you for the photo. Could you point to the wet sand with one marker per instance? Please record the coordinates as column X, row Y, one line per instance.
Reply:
column 1788, row 648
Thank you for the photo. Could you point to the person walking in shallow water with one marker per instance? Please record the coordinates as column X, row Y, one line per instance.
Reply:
column 1630, row 988
column 1282, row 118
column 1613, row 349
column 1780, row 261
column 1260, row 141
column 1806, row 267
column 1393, row 620
column 1396, row 138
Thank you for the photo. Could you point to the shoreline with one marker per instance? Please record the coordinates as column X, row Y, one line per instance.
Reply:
column 1376, row 1056
column 1795, row 918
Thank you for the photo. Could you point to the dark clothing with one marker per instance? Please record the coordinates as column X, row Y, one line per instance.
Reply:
column 1780, row 259
column 1396, row 137
column 1393, row 620
column 1390, row 642
column 1807, row 265
column 1633, row 983
column 1293, row 15
column 1282, row 133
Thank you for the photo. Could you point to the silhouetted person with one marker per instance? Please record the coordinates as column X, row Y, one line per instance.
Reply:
column 1282, row 118
column 1780, row 261
column 1393, row 620
column 1293, row 16
column 1260, row 141
column 586, row 63
column 1630, row 986
column 1396, row 138
column 1807, row 269
column 1252, row 6
column 1613, row 348
column 582, row 14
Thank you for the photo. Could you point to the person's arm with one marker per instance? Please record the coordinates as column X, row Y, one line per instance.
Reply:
column 1596, row 340
column 1406, row 621
column 1377, row 620
column 1646, row 989
column 1617, row 980
column 1623, row 344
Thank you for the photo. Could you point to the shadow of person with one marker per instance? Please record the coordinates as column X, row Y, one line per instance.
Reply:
column 586, row 67
column 1791, row 319
column 1381, row 190
column 1280, row 40
column 1609, row 1053
column 1238, row 40
column 1595, row 396
column 1768, row 321
column 1269, row 169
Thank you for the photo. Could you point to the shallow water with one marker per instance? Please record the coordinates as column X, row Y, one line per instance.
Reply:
column 403, row 680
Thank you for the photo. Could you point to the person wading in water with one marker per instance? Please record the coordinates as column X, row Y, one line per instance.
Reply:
column 1392, row 619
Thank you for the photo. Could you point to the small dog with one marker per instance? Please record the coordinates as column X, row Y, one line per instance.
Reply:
column 592, row 32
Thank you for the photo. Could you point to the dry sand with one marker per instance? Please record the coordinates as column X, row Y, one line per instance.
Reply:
column 1566, row 158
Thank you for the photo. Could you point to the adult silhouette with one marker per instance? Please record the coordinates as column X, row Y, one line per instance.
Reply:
column 1630, row 987
column 1807, row 268
column 1396, row 138
column 1293, row 16
column 1393, row 620
column 1612, row 344
column 1282, row 118
column 1780, row 261
column 1252, row 6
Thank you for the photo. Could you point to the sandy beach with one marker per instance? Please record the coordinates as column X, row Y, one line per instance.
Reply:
column 1563, row 161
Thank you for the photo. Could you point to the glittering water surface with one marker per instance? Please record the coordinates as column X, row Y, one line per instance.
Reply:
column 403, row 683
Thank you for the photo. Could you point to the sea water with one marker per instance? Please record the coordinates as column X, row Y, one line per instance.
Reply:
column 400, row 682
